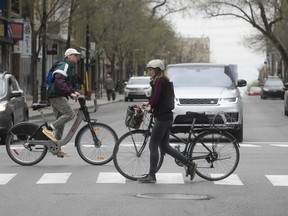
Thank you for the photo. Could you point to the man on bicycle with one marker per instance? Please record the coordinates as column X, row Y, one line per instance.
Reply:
column 58, row 93
column 159, row 106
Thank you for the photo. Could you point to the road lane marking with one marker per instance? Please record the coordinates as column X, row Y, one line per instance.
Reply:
column 162, row 178
column 249, row 145
column 5, row 178
column 54, row 178
column 278, row 180
column 230, row 180
column 169, row 178
column 110, row 177
column 280, row 145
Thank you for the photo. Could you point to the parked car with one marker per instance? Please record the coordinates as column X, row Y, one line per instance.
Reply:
column 254, row 91
column 13, row 106
column 137, row 87
column 272, row 87
column 209, row 88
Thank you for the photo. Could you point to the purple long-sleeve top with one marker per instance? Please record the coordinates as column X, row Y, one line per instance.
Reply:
column 159, row 93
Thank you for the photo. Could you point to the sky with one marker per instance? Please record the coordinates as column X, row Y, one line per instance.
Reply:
column 226, row 42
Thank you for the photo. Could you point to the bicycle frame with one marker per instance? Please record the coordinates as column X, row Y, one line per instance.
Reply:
column 55, row 146
column 181, row 140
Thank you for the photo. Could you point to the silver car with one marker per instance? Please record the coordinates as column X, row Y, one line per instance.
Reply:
column 209, row 88
column 138, row 87
column 13, row 106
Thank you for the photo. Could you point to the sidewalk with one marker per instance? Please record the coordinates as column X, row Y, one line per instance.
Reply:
column 75, row 105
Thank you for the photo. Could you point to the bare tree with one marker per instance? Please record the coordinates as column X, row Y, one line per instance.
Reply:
column 264, row 15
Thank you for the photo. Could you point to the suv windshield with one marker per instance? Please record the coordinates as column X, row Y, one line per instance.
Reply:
column 2, row 87
column 200, row 76
column 274, row 83
column 139, row 81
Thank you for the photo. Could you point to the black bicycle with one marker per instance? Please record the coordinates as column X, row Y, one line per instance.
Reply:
column 214, row 150
column 27, row 145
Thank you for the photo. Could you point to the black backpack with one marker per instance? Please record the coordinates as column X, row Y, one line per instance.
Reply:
column 170, row 99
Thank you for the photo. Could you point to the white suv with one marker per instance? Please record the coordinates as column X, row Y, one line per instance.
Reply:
column 138, row 87
column 209, row 88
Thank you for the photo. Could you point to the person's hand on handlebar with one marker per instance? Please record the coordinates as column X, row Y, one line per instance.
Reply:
column 74, row 95
column 147, row 106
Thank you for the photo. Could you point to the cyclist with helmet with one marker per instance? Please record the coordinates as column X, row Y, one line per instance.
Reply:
column 58, row 93
column 163, row 116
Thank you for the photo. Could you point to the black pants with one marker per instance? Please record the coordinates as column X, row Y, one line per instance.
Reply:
column 160, row 137
column 109, row 94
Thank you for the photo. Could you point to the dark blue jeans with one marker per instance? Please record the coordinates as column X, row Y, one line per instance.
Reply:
column 160, row 137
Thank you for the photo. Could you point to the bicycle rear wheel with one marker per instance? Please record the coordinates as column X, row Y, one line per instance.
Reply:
column 126, row 160
column 18, row 147
column 96, row 155
column 216, row 154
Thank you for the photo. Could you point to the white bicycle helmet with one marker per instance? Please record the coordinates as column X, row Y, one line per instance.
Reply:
column 156, row 63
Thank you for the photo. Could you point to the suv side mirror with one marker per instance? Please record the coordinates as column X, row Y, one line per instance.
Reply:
column 241, row 83
column 16, row 93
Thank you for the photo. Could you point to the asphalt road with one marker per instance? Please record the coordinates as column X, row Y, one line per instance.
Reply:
column 70, row 186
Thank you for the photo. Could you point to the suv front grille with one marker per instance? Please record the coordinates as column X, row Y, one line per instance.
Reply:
column 201, row 101
column 182, row 123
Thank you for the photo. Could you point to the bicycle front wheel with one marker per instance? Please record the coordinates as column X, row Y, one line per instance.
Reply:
column 18, row 147
column 131, row 155
column 216, row 154
column 96, row 155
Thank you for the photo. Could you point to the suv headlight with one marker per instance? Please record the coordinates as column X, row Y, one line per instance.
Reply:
column 3, row 106
column 228, row 100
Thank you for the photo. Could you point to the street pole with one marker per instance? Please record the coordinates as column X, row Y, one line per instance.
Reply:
column 86, row 79
column 44, row 29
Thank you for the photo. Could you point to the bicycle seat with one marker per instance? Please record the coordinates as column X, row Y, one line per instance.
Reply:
column 195, row 114
column 37, row 106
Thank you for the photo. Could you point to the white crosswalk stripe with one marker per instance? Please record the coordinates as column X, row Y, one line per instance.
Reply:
column 280, row 145
column 54, row 178
column 110, row 177
column 5, row 178
column 169, row 178
column 278, row 180
column 162, row 178
column 250, row 146
column 230, row 180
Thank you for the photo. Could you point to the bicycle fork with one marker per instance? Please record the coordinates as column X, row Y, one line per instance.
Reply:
column 139, row 152
column 97, row 142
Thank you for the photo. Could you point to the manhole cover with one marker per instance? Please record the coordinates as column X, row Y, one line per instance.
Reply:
column 174, row 196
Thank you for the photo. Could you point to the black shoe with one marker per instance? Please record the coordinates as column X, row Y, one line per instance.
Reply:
column 191, row 170
column 148, row 179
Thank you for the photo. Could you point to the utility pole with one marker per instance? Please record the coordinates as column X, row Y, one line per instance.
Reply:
column 44, row 53
column 86, row 79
